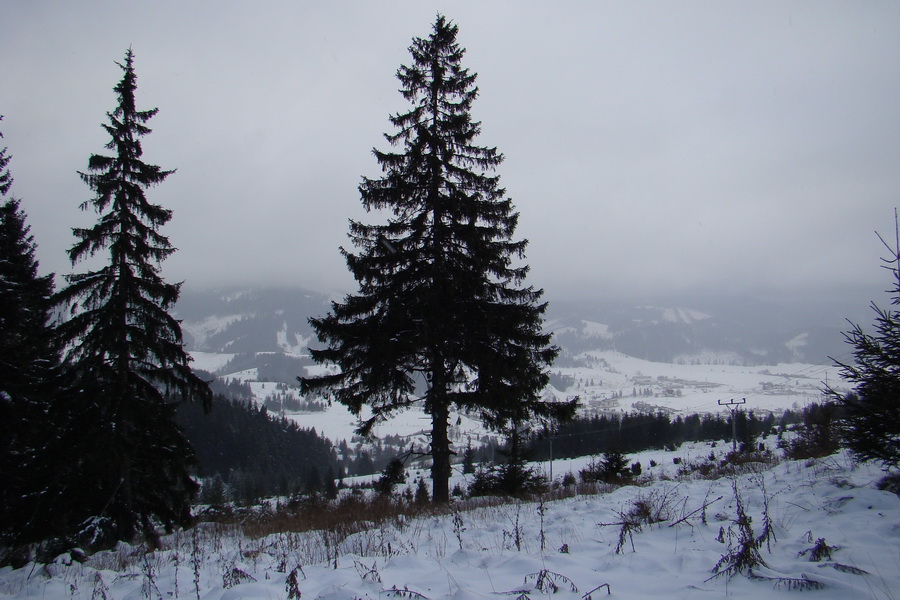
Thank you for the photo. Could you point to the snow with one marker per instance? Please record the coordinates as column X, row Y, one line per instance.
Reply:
column 696, row 387
column 201, row 330
column 591, row 329
column 519, row 549
column 524, row 547
column 605, row 381
column 298, row 349
column 683, row 315
column 209, row 361
column 798, row 342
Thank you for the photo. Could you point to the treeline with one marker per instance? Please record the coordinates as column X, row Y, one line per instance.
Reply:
column 254, row 454
column 279, row 402
column 375, row 455
column 231, row 388
column 635, row 432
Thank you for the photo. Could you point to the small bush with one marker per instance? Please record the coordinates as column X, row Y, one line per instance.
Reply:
column 819, row 552
column 511, row 479
column 890, row 483
column 817, row 436
column 393, row 475
column 743, row 547
column 646, row 509
column 421, row 492
column 611, row 468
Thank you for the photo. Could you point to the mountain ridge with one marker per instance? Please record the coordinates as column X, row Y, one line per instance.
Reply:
column 249, row 320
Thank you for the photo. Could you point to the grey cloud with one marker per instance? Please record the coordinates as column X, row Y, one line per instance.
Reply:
column 648, row 146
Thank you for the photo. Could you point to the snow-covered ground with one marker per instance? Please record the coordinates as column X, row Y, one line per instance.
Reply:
column 693, row 388
column 564, row 549
column 608, row 380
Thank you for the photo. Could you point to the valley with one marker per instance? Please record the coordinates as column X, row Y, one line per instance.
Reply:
column 259, row 337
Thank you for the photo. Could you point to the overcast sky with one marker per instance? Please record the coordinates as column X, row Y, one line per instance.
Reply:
column 651, row 147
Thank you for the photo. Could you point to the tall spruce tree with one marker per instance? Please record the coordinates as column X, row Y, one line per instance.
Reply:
column 29, row 360
column 441, row 284
column 125, row 345
column 871, row 413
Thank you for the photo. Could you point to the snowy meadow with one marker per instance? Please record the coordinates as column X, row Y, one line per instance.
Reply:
column 690, row 526
column 818, row 525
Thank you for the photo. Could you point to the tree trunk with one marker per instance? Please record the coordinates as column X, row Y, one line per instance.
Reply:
column 440, row 452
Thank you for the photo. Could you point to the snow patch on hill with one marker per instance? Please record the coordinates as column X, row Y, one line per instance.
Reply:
column 591, row 329
column 209, row 361
column 292, row 343
column 683, row 315
column 795, row 344
column 200, row 331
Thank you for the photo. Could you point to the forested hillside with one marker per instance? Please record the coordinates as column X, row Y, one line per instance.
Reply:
column 256, row 454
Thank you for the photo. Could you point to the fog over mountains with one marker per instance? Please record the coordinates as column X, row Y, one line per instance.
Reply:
column 709, row 329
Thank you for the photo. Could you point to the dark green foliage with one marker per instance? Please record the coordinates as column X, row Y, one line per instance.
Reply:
column 890, row 483
column 634, row 432
column 123, row 343
column 393, row 475
column 421, row 492
column 611, row 468
column 512, row 477
column 331, row 488
column 469, row 459
column 508, row 479
column 82, row 443
column 614, row 466
column 746, row 433
column 817, row 435
column 254, row 453
column 441, row 285
column 29, row 366
column 233, row 389
column 872, row 411
column 214, row 491
column 5, row 176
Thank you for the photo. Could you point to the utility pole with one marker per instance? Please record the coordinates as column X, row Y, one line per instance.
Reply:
column 732, row 404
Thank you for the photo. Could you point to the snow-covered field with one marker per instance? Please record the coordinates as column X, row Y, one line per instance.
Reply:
column 608, row 381
column 693, row 388
column 564, row 549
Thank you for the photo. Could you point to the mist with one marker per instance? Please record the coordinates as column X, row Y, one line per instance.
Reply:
column 652, row 150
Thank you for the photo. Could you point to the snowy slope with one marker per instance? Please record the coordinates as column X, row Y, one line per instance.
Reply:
column 563, row 549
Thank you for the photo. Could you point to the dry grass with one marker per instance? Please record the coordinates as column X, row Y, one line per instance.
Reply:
column 353, row 513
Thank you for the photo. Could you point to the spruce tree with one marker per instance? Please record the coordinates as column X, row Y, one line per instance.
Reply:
column 441, row 284
column 871, row 413
column 5, row 177
column 29, row 360
column 125, row 346
column 26, row 337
